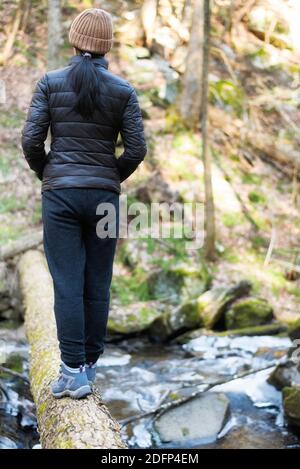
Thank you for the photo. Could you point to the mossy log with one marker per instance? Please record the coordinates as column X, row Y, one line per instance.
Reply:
column 63, row 423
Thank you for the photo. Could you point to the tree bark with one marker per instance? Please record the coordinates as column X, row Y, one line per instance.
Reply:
column 63, row 423
column 190, row 98
column 54, row 33
column 209, row 242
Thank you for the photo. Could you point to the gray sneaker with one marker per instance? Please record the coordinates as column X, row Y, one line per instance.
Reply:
column 70, row 384
column 91, row 372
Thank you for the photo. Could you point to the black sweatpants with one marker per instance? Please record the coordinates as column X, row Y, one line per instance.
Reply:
column 80, row 264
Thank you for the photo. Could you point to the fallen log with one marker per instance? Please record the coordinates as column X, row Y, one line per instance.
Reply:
column 63, row 423
column 275, row 151
column 18, row 246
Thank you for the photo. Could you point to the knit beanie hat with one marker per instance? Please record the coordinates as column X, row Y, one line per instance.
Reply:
column 91, row 31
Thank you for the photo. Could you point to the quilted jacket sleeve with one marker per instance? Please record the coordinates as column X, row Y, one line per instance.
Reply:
column 132, row 133
column 35, row 129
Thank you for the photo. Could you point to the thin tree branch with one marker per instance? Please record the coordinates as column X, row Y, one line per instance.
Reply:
column 15, row 374
column 161, row 408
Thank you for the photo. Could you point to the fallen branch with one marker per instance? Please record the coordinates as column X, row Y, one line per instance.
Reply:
column 15, row 374
column 161, row 408
column 63, row 423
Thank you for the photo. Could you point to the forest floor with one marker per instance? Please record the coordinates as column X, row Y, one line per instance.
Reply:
column 253, row 198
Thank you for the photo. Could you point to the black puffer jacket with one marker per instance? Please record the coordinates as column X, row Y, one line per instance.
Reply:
column 83, row 151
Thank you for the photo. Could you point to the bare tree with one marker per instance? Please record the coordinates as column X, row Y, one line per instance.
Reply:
column 54, row 33
column 190, row 98
column 209, row 244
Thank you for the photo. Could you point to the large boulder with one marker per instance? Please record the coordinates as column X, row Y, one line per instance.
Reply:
column 212, row 304
column 161, row 330
column 186, row 316
column 201, row 418
column 294, row 330
column 179, row 283
column 203, row 311
column 134, row 318
column 176, row 320
column 291, row 404
column 247, row 312
column 286, row 374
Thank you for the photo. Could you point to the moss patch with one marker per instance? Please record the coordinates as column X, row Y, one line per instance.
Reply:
column 291, row 404
column 248, row 312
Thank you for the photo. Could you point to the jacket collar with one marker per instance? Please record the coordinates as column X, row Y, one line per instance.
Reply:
column 99, row 61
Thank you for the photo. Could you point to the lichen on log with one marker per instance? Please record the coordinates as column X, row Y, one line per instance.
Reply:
column 63, row 423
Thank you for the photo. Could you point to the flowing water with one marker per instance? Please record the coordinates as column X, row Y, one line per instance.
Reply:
column 136, row 377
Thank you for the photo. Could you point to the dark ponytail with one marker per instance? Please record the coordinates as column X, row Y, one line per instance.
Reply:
column 84, row 79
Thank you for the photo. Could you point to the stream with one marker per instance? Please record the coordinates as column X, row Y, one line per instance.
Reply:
column 136, row 376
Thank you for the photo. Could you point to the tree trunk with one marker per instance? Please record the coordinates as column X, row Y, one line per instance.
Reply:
column 209, row 243
column 8, row 48
column 190, row 98
column 63, row 423
column 54, row 33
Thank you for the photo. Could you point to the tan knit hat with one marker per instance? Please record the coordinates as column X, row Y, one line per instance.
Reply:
column 91, row 31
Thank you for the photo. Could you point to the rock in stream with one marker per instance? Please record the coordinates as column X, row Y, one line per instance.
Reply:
column 201, row 418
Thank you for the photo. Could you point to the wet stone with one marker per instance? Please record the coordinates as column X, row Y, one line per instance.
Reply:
column 201, row 418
